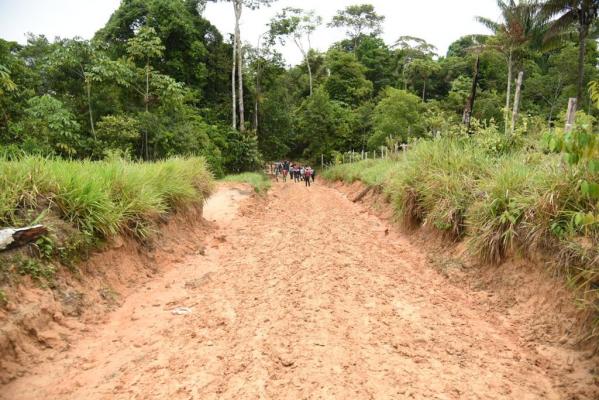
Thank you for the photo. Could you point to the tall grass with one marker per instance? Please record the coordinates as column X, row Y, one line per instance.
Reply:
column 259, row 181
column 517, row 199
column 102, row 198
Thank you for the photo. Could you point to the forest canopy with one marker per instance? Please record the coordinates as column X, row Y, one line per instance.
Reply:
column 160, row 80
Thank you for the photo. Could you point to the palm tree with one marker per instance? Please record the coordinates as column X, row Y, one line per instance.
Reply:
column 521, row 24
column 567, row 14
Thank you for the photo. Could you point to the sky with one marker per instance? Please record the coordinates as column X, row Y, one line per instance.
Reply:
column 439, row 22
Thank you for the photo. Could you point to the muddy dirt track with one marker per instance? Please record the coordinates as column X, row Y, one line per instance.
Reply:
column 305, row 296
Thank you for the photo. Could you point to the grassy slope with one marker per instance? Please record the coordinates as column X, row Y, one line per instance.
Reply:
column 85, row 203
column 260, row 182
column 499, row 201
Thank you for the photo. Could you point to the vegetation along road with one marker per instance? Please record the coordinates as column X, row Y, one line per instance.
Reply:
column 318, row 300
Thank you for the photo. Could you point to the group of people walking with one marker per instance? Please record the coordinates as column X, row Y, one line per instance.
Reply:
column 296, row 172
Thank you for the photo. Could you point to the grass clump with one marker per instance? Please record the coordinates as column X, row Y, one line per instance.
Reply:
column 259, row 181
column 100, row 199
column 370, row 172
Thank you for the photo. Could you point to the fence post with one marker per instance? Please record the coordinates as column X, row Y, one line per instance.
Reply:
column 571, row 114
column 322, row 161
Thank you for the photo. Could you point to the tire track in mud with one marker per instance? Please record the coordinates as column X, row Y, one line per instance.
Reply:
column 302, row 296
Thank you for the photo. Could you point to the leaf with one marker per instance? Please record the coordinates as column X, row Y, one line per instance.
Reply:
column 578, row 219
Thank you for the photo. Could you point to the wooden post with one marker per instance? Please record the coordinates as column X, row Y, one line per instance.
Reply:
column 516, row 101
column 322, row 161
column 571, row 114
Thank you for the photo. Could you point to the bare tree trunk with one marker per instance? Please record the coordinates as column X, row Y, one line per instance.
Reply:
column 516, row 101
column 305, row 54
column 582, row 38
column 88, row 89
column 558, row 89
column 467, row 116
column 257, row 99
column 234, row 87
column 509, row 90
column 147, row 101
column 309, row 74
column 238, row 5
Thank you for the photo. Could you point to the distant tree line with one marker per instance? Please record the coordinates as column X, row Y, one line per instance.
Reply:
column 160, row 80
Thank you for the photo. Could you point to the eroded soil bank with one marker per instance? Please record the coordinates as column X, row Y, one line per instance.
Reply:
column 308, row 295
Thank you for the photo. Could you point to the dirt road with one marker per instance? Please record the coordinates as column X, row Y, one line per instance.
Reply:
column 306, row 298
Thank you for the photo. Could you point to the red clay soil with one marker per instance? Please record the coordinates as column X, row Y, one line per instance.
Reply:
column 307, row 295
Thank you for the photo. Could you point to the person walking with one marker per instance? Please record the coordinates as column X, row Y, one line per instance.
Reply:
column 285, row 170
column 307, row 176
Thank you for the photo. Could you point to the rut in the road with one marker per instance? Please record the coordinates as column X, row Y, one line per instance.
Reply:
column 305, row 296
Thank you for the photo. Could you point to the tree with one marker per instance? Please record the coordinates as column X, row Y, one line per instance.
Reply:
column 194, row 50
column 358, row 19
column 410, row 48
column 422, row 69
column 399, row 115
column 145, row 46
column 521, row 24
column 299, row 25
column 6, row 84
column 90, row 65
column 579, row 13
column 48, row 128
column 346, row 81
column 119, row 132
column 238, row 6
column 322, row 124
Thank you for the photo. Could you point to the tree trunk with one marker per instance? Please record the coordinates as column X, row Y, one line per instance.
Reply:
column 509, row 91
column 234, row 87
column 305, row 54
column 583, row 31
column 466, row 118
column 238, row 8
column 309, row 73
column 516, row 101
column 424, row 90
column 147, row 101
column 88, row 89
column 257, row 99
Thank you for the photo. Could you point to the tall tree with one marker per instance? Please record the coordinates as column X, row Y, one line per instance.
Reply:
column 521, row 23
column 572, row 13
column 358, row 19
column 299, row 25
column 238, row 6
column 408, row 49
column 145, row 46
